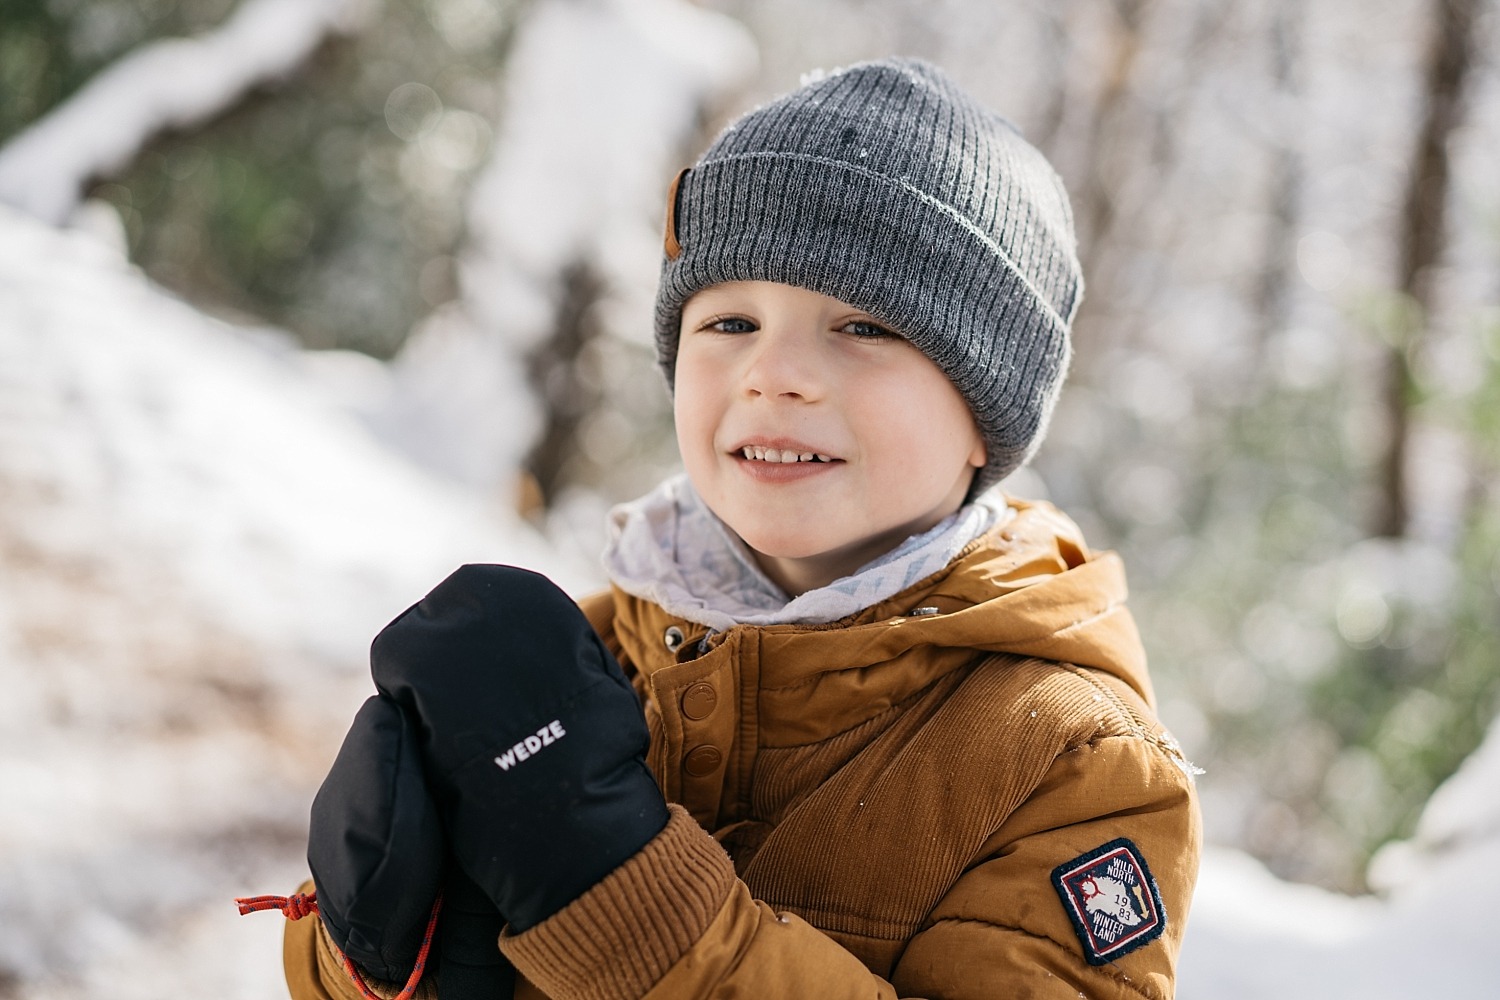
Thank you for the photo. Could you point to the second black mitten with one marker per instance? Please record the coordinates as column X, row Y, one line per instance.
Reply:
column 375, row 845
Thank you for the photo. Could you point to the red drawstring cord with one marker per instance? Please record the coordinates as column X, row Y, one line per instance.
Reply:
column 300, row 905
column 295, row 906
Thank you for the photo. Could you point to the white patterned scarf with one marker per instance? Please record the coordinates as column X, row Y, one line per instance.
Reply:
column 668, row 548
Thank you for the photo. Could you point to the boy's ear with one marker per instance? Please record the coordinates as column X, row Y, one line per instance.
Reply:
column 979, row 457
column 670, row 245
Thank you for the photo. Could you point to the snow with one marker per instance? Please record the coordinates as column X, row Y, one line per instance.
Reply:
column 172, row 83
column 1428, row 936
column 196, row 545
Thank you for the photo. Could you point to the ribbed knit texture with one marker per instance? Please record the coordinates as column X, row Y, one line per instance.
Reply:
column 886, row 186
column 616, row 940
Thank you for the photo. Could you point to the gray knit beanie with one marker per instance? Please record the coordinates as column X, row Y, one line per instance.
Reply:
column 886, row 186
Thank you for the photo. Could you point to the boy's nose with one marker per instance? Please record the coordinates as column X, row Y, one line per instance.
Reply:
column 784, row 364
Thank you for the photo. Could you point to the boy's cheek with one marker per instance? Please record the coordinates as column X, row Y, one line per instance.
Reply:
column 693, row 407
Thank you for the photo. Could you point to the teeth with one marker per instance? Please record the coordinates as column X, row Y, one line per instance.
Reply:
column 758, row 454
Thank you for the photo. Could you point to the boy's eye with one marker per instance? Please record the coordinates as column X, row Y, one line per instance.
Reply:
column 730, row 324
column 866, row 330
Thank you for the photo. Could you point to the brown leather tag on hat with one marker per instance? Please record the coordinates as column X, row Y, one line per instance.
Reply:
column 670, row 244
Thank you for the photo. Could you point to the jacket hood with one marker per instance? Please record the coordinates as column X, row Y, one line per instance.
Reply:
column 1029, row 586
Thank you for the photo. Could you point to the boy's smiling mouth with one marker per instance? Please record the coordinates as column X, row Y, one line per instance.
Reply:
column 774, row 461
column 760, row 453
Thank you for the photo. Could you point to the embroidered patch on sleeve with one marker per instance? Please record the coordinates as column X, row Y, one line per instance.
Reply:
column 1112, row 900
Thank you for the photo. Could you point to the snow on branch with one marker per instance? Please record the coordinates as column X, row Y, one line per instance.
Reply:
column 173, row 83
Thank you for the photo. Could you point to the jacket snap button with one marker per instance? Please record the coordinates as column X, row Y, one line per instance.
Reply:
column 702, row 761
column 699, row 700
column 672, row 638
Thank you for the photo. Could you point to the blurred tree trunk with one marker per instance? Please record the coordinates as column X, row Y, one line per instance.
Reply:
column 1097, row 199
column 566, row 396
column 1423, row 230
column 1273, row 291
column 1133, row 132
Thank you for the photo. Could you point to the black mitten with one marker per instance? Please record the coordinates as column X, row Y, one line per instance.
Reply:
column 534, row 740
column 377, row 855
column 375, row 845
column 469, row 963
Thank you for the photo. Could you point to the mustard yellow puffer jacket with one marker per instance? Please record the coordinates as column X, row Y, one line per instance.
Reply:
column 959, row 793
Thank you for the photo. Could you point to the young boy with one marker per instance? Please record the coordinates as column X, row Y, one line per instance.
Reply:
column 849, row 723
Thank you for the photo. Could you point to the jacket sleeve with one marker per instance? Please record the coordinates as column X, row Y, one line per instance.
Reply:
column 674, row 923
column 1005, row 928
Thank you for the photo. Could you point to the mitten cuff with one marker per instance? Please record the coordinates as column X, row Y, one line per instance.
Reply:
column 616, row 940
column 315, row 966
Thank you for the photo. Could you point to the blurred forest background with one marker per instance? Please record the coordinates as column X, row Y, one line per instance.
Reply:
column 1285, row 405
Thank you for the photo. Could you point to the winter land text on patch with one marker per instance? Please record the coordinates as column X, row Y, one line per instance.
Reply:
column 1111, row 899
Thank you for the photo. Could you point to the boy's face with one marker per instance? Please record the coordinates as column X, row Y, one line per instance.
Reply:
column 766, row 372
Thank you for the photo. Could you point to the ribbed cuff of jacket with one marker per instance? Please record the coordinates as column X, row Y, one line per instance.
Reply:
column 616, row 940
